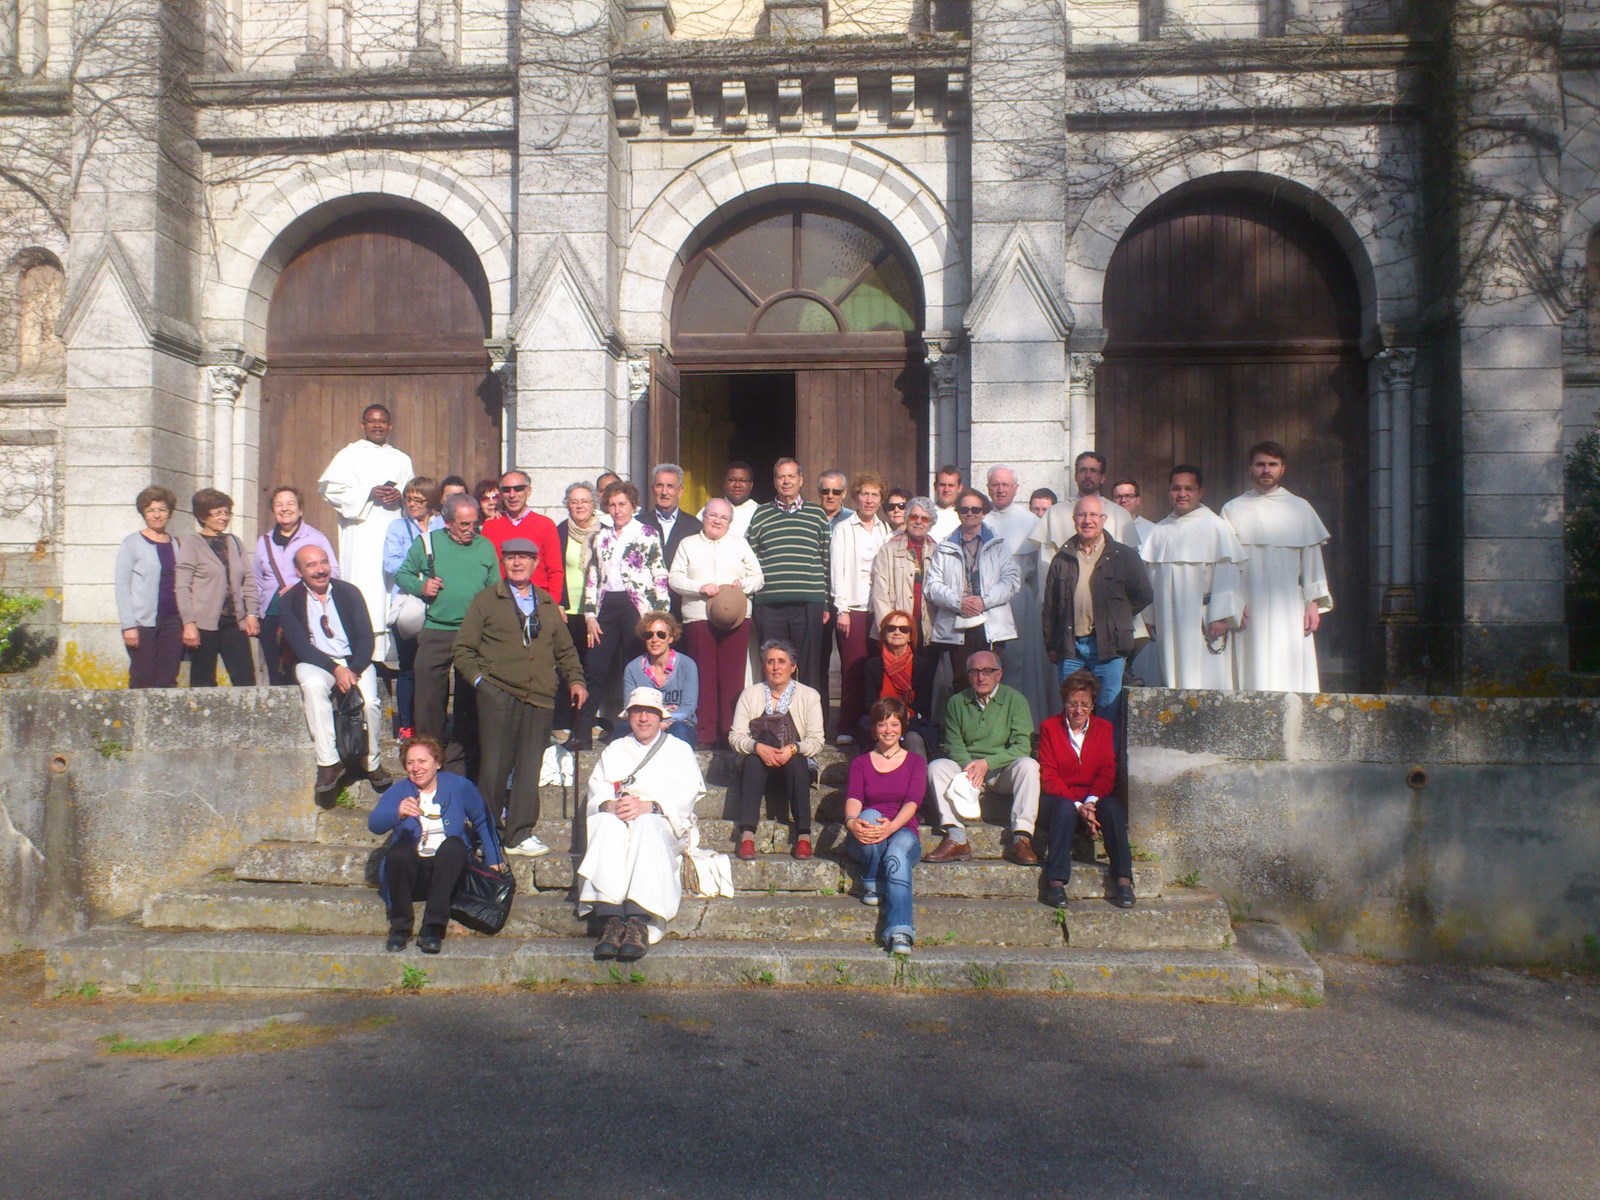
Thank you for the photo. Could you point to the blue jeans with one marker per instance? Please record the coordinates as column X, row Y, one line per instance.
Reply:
column 886, row 869
column 1107, row 670
column 683, row 731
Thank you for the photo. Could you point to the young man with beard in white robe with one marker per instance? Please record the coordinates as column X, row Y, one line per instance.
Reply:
column 1195, row 568
column 1023, row 658
column 1285, row 583
column 363, row 484
column 641, row 820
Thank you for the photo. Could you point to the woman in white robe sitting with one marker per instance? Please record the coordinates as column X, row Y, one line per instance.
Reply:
column 640, row 817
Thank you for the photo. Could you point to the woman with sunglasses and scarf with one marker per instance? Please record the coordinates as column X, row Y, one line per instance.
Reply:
column 672, row 674
column 514, row 648
column 891, row 674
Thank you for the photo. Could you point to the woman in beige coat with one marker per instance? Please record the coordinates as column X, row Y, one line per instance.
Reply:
column 216, row 596
column 777, row 726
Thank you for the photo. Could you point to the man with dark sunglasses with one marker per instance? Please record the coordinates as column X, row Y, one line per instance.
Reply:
column 325, row 622
column 971, row 581
column 515, row 650
column 516, row 519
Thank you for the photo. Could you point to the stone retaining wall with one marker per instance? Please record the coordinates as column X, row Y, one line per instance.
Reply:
column 1409, row 826
column 107, row 796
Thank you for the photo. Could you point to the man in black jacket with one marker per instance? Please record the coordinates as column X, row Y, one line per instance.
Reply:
column 1095, row 586
column 326, row 624
column 670, row 521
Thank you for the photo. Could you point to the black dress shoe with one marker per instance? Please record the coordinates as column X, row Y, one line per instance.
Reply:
column 1056, row 895
column 1124, row 895
column 610, row 940
column 397, row 942
column 380, row 780
column 429, row 943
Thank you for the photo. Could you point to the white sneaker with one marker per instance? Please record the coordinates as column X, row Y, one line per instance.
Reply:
column 529, row 847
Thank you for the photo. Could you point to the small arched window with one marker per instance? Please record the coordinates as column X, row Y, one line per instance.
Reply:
column 41, row 288
column 796, row 271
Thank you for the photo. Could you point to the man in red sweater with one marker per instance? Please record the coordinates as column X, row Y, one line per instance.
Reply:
column 516, row 519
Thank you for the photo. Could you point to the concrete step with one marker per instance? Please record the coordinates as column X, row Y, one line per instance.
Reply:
column 1265, row 964
column 1193, row 919
column 347, row 826
column 324, row 863
column 827, row 803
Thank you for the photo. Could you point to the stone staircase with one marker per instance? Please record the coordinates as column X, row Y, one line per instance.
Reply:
column 307, row 915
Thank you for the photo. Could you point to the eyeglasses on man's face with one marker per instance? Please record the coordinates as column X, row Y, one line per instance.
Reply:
column 514, row 487
column 983, row 672
column 831, row 491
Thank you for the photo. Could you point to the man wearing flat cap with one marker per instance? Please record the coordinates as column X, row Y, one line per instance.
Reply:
column 515, row 649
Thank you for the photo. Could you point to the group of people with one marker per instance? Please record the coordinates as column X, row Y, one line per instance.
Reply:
column 496, row 624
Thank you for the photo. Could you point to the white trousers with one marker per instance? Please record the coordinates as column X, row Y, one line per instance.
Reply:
column 316, row 689
column 1019, row 780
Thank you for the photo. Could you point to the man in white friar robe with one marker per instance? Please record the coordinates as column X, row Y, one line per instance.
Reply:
column 1055, row 529
column 363, row 484
column 1026, row 667
column 1285, row 584
column 1194, row 560
column 641, row 820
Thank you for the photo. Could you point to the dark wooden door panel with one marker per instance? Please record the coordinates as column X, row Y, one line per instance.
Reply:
column 664, row 389
column 1233, row 319
column 855, row 420
column 380, row 308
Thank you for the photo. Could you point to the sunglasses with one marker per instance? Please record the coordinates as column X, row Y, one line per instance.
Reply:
column 658, row 635
column 897, row 629
column 895, row 505
column 967, row 510
column 514, row 487
column 831, row 491
column 327, row 626
column 530, row 627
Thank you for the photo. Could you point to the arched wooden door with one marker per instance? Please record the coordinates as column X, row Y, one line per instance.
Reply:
column 814, row 309
column 389, row 308
column 1233, row 318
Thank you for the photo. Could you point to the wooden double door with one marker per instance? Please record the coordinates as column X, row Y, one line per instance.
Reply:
column 1233, row 318
column 390, row 308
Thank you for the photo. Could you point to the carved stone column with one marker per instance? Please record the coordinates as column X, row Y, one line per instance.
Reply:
column 1080, row 415
column 315, row 57
column 503, row 366
column 1396, row 366
column 944, row 405
column 226, row 382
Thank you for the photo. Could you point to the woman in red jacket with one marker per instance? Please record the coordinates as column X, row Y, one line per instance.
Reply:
column 1077, row 766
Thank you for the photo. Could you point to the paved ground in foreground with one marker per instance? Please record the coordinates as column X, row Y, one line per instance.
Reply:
column 1408, row 1082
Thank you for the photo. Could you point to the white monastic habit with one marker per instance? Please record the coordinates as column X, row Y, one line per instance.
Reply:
column 1026, row 666
column 363, row 525
column 1141, row 528
column 1055, row 529
column 641, row 860
column 1194, row 562
column 945, row 522
column 1283, row 536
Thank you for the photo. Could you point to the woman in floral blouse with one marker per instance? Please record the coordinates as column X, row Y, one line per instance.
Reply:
column 626, row 578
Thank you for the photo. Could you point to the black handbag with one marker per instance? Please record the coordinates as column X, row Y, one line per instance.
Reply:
column 350, row 727
column 482, row 901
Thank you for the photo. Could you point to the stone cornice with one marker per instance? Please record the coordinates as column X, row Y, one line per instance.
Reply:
column 27, row 98
column 1198, row 56
column 927, row 54
column 342, row 87
column 1580, row 51
column 1251, row 118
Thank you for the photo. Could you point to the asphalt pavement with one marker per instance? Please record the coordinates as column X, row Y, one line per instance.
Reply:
column 1407, row 1082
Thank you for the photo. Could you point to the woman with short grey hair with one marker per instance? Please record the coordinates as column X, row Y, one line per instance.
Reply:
column 777, row 726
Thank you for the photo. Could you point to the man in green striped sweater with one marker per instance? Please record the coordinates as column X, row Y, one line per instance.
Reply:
column 791, row 539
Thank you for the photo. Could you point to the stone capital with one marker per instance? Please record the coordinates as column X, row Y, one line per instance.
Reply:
column 1082, row 366
column 1397, row 363
column 226, row 382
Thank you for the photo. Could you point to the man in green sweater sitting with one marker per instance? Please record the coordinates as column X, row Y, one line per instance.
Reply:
column 461, row 564
column 988, row 734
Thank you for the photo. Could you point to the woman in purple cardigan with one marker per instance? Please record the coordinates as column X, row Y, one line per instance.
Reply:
column 885, row 790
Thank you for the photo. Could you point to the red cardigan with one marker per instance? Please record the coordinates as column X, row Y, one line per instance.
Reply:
column 550, row 568
column 1063, row 773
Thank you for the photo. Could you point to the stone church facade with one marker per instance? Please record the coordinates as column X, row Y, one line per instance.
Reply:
column 576, row 234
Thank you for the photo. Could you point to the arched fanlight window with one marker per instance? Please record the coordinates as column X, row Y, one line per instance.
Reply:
column 796, row 272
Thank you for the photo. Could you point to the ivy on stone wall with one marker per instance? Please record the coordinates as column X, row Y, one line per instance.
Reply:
column 1583, row 551
column 19, row 649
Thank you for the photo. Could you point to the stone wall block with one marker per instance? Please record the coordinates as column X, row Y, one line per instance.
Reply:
column 1232, row 724
column 1529, row 732
column 1399, row 730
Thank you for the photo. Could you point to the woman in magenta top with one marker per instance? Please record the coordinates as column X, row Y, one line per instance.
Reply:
column 885, row 790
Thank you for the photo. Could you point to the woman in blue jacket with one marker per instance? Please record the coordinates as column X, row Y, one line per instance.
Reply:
column 439, row 820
